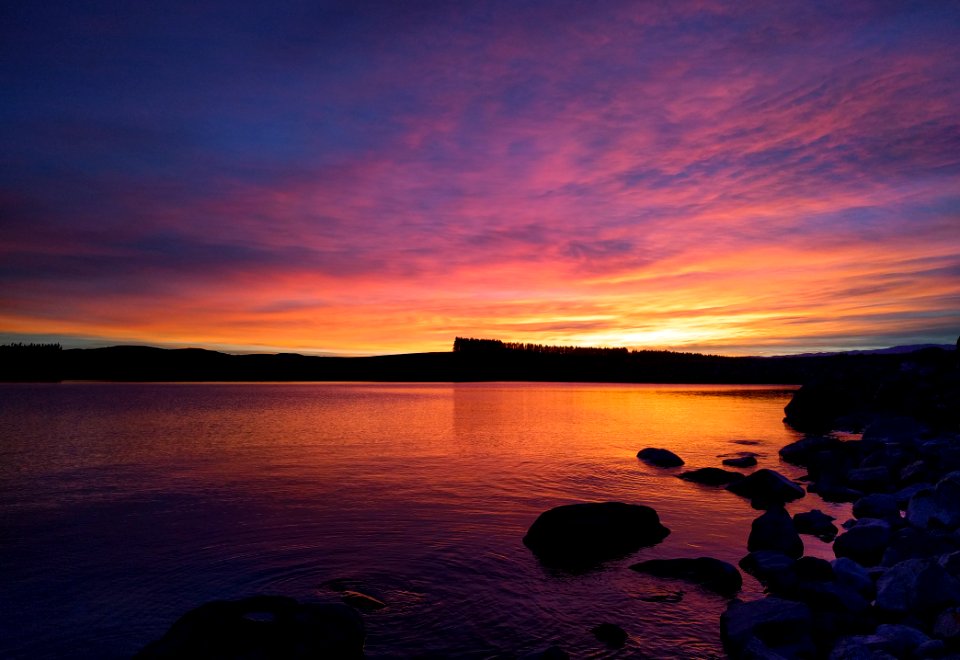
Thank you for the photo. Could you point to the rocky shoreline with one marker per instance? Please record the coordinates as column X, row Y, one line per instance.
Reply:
column 887, row 442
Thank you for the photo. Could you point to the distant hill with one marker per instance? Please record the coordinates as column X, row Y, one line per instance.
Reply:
column 893, row 350
column 471, row 360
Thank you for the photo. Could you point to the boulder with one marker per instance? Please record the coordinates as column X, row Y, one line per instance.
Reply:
column 877, row 505
column 918, row 586
column 805, row 449
column 816, row 523
column 774, row 570
column 814, row 569
column 767, row 488
column 870, row 479
column 262, row 627
column 774, row 621
column 774, row 531
column 834, row 492
column 947, row 625
column 938, row 507
column 741, row 461
column 611, row 635
column 582, row 535
column 709, row 573
column 865, row 542
column 913, row 543
column 659, row 457
column 888, row 641
column 711, row 476
column 894, row 430
column 850, row 573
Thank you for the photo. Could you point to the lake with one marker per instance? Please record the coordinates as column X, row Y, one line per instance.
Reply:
column 122, row 506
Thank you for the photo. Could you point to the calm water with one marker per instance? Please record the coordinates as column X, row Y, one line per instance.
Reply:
column 123, row 506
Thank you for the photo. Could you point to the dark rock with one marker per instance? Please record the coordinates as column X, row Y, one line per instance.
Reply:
column 915, row 472
column 814, row 569
column 659, row 457
column 833, row 597
column 767, row 488
column 939, row 507
column 741, row 461
column 581, row 535
column 774, row 621
column 864, row 543
column 904, row 494
column 894, row 430
column 815, row 523
column 947, row 625
column 757, row 650
column 920, row 586
column 362, row 601
column 774, row 531
column 711, row 476
column 764, row 564
column 710, row 573
column 912, row 543
column 877, row 505
column 850, row 573
column 831, row 492
column 816, row 405
column 889, row 641
column 870, row 479
column 776, row 571
column 611, row 635
column 803, row 450
column 951, row 563
column 262, row 627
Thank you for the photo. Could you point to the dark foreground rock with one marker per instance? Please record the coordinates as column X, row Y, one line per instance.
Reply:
column 741, row 461
column 816, row 523
column 262, row 627
column 577, row 536
column 767, row 488
column 659, row 457
column 610, row 634
column 774, row 531
column 778, row 624
column 709, row 573
column 711, row 476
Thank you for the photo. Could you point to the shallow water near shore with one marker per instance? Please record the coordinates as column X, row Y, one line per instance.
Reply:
column 122, row 506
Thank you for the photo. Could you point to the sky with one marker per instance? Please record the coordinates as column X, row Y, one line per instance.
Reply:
column 381, row 177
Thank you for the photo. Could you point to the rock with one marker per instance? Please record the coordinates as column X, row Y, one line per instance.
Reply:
column 831, row 597
column 741, row 461
column 711, row 476
column 581, row 535
column 920, row 586
column 951, row 563
column 803, row 451
column 774, row 621
column 830, row 492
column 904, row 494
column 870, row 479
column 815, row 523
column 947, row 625
column 709, row 573
column 850, row 573
column 764, row 563
column 816, row 405
column 913, row 543
column 857, row 648
column 889, row 641
column 659, row 457
column 262, row 627
column 774, row 531
column 893, row 430
column 757, row 650
column 938, row 507
column 362, row 601
column 865, row 542
column 767, row 488
column 877, row 505
column 814, row 569
column 611, row 635
column 915, row 472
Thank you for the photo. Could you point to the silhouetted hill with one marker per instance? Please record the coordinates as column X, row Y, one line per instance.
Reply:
column 471, row 360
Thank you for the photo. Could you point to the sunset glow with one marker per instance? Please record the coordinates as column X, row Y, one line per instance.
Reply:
column 381, row 177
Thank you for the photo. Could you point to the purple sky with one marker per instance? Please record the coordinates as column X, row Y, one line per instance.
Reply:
column 379, row 177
